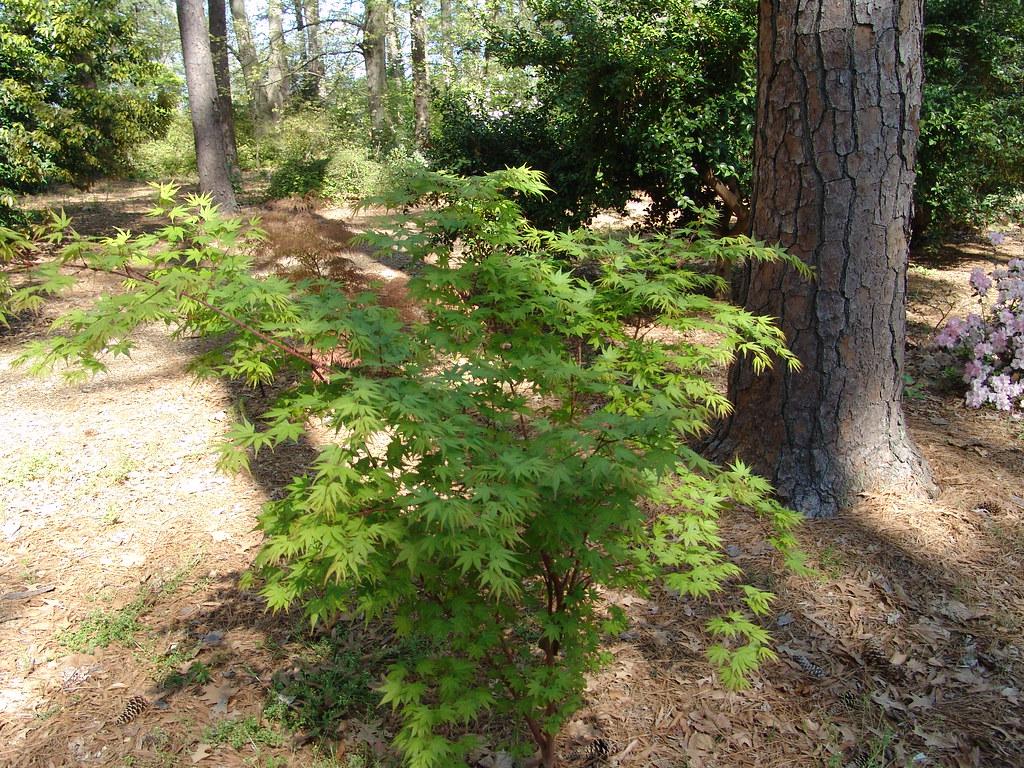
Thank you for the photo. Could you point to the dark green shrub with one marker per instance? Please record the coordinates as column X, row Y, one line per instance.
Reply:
column 971, row 158
column 629, row 96
column 298, row 177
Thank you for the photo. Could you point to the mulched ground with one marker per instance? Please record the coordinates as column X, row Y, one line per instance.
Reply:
column 906, row 650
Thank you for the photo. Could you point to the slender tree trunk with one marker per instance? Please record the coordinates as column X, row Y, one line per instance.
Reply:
column 250, row 63
column 278, row 85
column 447, row 42
column 222, row 78
column 202, row 102
column 300, row 77
column 374, row 31
column 839, row 96
column 420, row 83
column 395, row 59
column 316, row 57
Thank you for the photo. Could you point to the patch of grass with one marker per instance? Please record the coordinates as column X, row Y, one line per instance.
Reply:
column 330, row 686
column 103, row 628
column 35, row 466
column 238, row 733
column 170, row 677
column 831, row 561
column 111, row 517
column 117, row 470
column 912, row 389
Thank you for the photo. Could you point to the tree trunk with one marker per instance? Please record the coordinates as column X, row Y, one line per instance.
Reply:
column 839, row 96
column 300, row 76
column 222, row 79
column 250, row 63
column 420, row 83
column 202, row 102
column 278, row 87
column 447, row 42
column 395, row 60
column 374, row 31
column 316, row 67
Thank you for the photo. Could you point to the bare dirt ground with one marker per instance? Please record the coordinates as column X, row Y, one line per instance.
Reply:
column 116, row 531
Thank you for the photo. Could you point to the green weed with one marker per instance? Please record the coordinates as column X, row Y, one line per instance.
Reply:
column 331, row 686
column 36, row 466
column 238, row 733
column 103, row 628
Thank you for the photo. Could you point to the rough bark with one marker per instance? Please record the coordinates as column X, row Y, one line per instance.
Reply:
column 839, row 95
column 222, row 80
column 420, row 83
column 374, row 31
column 278, row 85
column 202, row 101
column 250, row 63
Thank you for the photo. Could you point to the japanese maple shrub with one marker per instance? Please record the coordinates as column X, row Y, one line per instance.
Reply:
column 495, row 465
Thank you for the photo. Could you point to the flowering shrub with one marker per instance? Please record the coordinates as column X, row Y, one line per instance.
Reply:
column 992, row 343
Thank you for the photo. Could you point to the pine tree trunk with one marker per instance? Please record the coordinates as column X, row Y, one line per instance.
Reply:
column 250, row 63
column 394, row 57
column 839, row 96
column 278, row 86
column 447, row 42
column 300, row 77
column 222, row 78
column 202, row 101
column 374, row 31
column 316, row 67
column 420, row 83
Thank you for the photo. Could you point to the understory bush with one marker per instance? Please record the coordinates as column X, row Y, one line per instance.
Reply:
column 991, row 342
column 497, row 466
column 971, row 156
column 172, row 157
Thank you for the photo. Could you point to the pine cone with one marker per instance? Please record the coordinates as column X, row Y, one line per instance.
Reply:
column 810, row 668
column 874, row 653
column 134, row 707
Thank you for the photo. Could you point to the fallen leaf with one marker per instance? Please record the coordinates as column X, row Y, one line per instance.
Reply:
column 202, row 751
column 217, row 695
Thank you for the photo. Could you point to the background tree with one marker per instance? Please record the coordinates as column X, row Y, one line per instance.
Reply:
column 627, row 96
column 278, row 77
column 374, row 48
column 222, row 80
column 252, row 72
column 421, row 85
column 79, row 89
column 211, row 159
column 839, row 95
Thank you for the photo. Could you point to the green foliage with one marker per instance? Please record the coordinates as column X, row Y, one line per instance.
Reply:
column 496, row 466
column 78, row 89
column 103, row 628
column 630, row 96
column 971, row 158
column 172, row 156
column 238, row 733
column 330, row 686
column 298, row 177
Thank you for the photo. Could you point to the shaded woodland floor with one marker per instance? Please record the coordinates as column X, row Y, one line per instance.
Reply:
column 116, row 531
